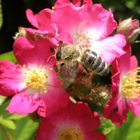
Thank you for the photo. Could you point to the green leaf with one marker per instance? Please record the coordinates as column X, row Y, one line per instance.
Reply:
column 4, row 134
column 3, row 107
column 130, row 130
column 106, row 126
column 14, row 116
column 25, row 129
column 2, row 99
column 133, row 5
column 7, row 123
column 8, row 56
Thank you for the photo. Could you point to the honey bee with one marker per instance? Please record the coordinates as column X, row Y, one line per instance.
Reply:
column 93, row 62
column 71, row 57
column 68, row 66
column 79, row 54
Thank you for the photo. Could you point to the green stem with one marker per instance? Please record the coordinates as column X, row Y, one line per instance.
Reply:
column 6, row 133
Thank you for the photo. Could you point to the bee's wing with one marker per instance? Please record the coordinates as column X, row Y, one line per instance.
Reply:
column 68, row 72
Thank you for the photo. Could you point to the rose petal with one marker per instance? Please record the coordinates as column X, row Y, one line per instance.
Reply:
column 44, row 19
column 110, row 48
column 83, row 20
column 133, row 63
column 101, row 25
column 54, row 100
column 134, row 106
column 32, row 52
column 78, row 115
column 23, row 104
column 11, row 78
column 31, row 18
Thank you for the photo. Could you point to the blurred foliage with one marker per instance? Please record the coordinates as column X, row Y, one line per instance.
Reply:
column 1, row 16
column 123, row 8
column 128, row 131
column 13, row 126
column 8, row 56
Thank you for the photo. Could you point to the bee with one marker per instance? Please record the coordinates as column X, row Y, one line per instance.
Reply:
column 68, row 65
column 71, row 56
column 93, row 62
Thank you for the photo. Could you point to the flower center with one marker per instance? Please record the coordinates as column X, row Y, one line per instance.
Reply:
column 36, row 78
column 70, row 133
column 83, row 41
column 131, row 84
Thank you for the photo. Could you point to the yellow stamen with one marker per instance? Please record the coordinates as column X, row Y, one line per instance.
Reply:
column 83, row 41
column 70, row 133
column 130, row 84
column 53, row 9
column 36, row 78
column 24, row 66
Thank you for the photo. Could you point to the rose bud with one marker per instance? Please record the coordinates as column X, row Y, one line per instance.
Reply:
column 130, row 28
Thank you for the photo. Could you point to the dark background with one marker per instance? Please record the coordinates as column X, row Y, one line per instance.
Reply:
column 14, row 16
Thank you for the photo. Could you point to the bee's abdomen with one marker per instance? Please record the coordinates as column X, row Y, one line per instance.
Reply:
column 95, row 63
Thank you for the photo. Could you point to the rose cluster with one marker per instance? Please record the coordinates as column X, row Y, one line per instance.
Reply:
column 74, row 67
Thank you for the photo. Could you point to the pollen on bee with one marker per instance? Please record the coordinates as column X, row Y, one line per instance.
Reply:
column 130, row 84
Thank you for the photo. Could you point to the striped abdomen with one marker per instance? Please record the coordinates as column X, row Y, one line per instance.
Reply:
column 95, row 63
